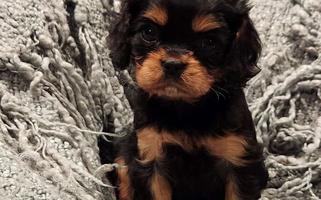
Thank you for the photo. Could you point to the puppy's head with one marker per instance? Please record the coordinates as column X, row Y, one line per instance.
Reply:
column 181, row 49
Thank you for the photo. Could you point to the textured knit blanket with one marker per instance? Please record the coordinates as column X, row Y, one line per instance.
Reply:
column 58, row 91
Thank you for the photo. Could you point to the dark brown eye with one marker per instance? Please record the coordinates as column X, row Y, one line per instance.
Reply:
column 209, row 43
column 150, row 33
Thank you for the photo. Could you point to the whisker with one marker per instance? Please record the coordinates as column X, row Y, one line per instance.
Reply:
column 218, row 96
column 223, row 90
column 221, row 94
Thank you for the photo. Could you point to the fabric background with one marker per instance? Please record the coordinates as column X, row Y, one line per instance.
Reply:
column 58, row 91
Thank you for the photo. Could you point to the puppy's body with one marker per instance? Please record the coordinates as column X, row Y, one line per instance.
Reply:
column 194, row 137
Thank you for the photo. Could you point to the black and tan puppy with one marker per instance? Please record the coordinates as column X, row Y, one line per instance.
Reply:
column 194, row 138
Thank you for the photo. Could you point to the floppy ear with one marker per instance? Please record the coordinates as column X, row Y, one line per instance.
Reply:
column 119, row 38
column 245, row 50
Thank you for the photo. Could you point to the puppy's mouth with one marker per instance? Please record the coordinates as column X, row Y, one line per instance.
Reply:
column 172, row 91
column 174, row 76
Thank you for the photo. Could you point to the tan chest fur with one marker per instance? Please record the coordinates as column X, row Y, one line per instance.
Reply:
column 151, row 145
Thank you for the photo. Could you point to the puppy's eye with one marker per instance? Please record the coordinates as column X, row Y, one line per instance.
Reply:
column 209, row 43
column 150, row 33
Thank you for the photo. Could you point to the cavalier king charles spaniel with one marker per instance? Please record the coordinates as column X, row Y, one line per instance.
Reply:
column 193, row 137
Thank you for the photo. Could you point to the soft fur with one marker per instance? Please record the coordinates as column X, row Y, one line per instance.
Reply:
column 194, row 137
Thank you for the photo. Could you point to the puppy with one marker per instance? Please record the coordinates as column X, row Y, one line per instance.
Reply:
column 194, row 138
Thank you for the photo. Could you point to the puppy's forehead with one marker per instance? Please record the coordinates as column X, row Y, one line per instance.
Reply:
column 179, row 12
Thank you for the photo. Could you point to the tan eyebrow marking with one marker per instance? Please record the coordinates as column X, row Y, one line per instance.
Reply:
column 202, row 23
column 157, row 14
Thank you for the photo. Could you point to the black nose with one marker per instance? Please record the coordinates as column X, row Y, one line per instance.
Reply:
column 173, row 67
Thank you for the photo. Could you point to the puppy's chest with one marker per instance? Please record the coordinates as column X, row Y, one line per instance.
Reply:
column 156, row 145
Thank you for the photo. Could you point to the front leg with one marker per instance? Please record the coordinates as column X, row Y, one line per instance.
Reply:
column 246, row 173
column 252, row 178
column 159, row 188
column 150, row 156
column 144, row 177
column 231, row 188
column 124, row 182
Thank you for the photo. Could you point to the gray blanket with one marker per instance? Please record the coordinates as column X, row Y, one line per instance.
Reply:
column 58, row 90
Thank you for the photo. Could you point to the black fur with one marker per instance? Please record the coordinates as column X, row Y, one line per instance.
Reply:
column 197, row 175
